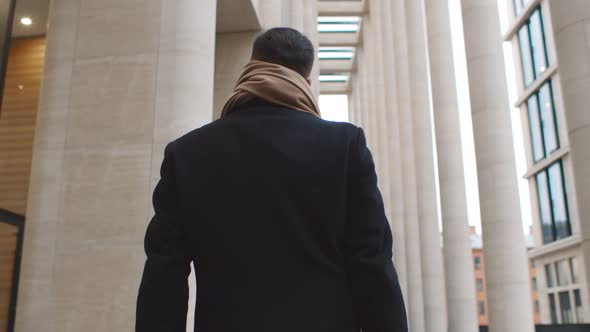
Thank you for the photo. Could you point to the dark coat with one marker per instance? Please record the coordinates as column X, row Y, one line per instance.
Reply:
column 280, row 213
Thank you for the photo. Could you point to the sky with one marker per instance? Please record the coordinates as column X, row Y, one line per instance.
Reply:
column 335, row 108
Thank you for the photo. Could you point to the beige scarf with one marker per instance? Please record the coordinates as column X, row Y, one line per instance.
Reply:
column 275, row 84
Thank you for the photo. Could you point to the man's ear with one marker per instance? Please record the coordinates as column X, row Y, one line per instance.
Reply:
column 308, row 81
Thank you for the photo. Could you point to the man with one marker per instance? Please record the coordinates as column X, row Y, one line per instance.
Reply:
column 279, row 211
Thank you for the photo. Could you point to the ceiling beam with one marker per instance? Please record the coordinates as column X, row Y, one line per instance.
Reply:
column 341, row 8
column 338, row 39
column 334, row 88
column 335, row 66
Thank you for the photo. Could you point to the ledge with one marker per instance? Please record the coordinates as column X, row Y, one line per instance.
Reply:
column 560, row 245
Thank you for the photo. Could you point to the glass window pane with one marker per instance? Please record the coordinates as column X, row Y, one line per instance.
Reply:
column 545, row 208
column 552, row 308
column 562, row 273
column 548, row 123
column 557, row 275
column 538, row 43
column 479, row 284
column 567, row 316
column 578, row 306
column 477, row 262
column 535, row 128
column 525, row 55
column 534, row 282
column 481, row 308
column 548, row 275
column 558, row 202
column 517, row 7
column 575, row 270
column 537, row 306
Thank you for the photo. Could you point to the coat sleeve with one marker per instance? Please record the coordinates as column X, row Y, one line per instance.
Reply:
column 368, row 249
column 162, row 302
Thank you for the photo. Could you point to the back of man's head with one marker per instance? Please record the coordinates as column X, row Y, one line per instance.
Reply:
column 286, row 47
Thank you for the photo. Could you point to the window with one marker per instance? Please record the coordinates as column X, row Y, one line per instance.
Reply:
column 574, row 269
column 535, row 128
column 538, row 47
column 542, row 122
column 533, row 49
column 578, row 306
column 553, row 309
column 525, row 55
column 545, row 208
column 534, row 283
column 533, row 263
column 562, row 273
column 548, row 121
column 553, row 207
column 479, row 284
column 335, row 53
column 537, row 306
column 519, row 6
column 342, row 24
column 477, row 262
column 334, row 77
column 548, row 275
column 567, row 315
column 558, row 202
column 481, row 308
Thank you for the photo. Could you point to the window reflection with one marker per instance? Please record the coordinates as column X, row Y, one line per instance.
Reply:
column 545, row 208
column 553, row 309
column 547, row 108
column 548, row 276
column 525, row 54
column 567, row 316
column 533, row 49
column 538, row 43
column 535, row 128
column 558, row 202
column 553, row 207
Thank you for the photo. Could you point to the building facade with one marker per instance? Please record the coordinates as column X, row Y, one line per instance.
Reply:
column 100, row 87
column 550, row 55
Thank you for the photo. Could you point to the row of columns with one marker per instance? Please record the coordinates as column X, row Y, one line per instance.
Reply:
column 403, row 92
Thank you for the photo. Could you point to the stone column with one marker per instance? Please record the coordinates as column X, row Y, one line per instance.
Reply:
column 311, row 31
column 232, row 53
column 351, row 110
column 364, row 98
column 393, row 151
column 120, row 81
column 435, row 310
column 383, row 127
column 456, row 244
column 351, row 101
column 407, row 163
column 571, row 22
column 507, row 276
column 295, row 14
column 370, row 71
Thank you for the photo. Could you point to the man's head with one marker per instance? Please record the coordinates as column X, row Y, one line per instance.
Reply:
column 286, row 47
